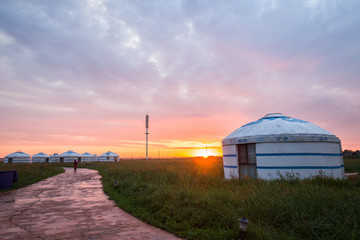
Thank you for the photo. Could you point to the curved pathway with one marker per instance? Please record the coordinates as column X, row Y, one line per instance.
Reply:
column 69, row 206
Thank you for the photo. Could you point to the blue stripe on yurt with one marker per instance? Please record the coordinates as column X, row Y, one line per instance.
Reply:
column 226, row 166
column 298, row 154
column 303, row 167
column 230, row 155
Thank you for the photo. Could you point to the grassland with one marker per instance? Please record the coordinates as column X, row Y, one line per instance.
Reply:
column 31, row 173
column 190, row 198
column 352, row 164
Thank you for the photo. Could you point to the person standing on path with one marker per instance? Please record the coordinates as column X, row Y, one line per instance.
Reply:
column 75, row 165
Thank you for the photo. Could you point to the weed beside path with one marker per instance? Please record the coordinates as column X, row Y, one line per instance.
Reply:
column 31, row 173
column 191, row 198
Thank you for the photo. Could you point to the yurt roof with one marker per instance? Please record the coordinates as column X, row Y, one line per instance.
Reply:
column 41, row 154
column 55, row 154
column 70, row 154
column 87, row 154
column 109, row 154
column 276, row 127
column 17, row 154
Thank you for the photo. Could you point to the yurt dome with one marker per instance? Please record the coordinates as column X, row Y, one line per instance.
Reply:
column 278, row 145
column 55, row 157
column 109, row 157
column 41, row 157
column 17, row 157
column 70, row 156
column 87, row 157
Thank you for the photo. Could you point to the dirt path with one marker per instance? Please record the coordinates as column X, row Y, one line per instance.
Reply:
column 69, row 206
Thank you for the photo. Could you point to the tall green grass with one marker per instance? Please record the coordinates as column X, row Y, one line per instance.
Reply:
column 352, row 164
column 191, row 198
column 31, row 173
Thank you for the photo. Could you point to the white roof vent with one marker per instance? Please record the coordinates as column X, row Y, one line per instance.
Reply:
column 274, row 115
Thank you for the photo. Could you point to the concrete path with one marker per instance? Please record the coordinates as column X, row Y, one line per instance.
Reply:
column 69, row 206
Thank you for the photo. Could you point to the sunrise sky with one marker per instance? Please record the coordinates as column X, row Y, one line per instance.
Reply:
column 81, row 75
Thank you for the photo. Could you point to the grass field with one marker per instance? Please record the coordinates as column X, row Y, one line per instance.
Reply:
column 352, row 164
column 190, row 198
column 31, row 173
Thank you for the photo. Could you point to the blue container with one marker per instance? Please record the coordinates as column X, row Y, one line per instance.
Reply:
column 7, row 178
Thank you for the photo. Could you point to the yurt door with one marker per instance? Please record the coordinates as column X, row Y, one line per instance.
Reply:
column 247, row 161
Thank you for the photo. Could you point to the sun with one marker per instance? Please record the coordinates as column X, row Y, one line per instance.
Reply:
column 207, row 152
column 201, row 153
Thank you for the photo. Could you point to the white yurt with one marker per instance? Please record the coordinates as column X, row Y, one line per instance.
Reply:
column 70, row 156
column 17, row 157
column 109, row 157
column 95, row 158
column 41, row 157
column 277, row 145
column 87, row 157
column 55, row 157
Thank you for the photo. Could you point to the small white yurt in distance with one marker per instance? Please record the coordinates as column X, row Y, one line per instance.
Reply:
column 17, row 157
column 108, row 157
column 87, row 157
column 70, row 156
column 41, row 157
column 95, row 158
column 55, row 157
column 277, row 145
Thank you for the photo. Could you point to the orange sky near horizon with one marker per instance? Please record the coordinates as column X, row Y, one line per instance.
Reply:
column 124, row 137
column 165, row 140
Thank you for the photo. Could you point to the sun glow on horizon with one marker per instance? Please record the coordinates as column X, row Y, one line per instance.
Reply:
column 206, row 165
column 205, row 153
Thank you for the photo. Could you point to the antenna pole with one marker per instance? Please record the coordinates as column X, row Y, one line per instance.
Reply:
column 147, row 132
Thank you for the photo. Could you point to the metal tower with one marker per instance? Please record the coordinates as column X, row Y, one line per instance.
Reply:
column 147, row 132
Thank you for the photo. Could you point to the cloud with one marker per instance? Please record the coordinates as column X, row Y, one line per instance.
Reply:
column 77, row 66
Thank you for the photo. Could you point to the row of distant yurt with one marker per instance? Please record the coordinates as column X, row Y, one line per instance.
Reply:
column 18, row 157
column 69, row 156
